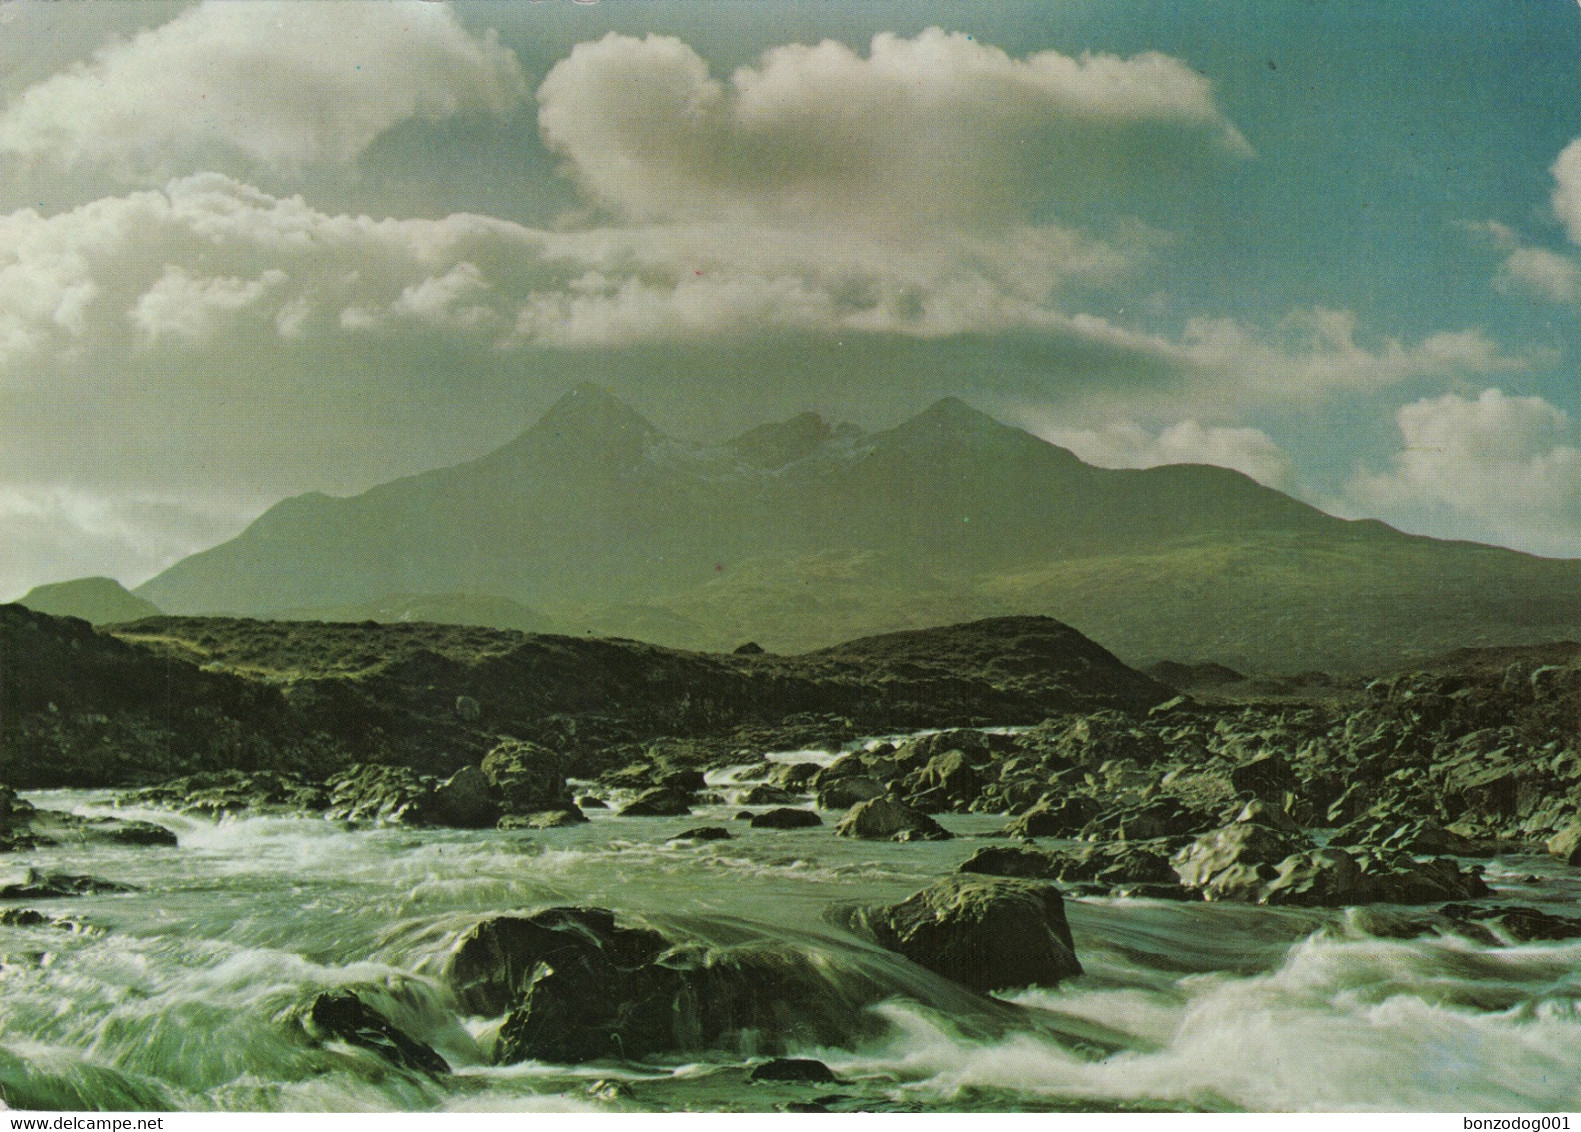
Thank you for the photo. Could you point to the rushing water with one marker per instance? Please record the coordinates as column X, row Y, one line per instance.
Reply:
column 182, row 994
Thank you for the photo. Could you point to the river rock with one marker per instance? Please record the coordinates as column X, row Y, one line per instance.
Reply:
column 984, row 932
column 887, row 819
column 580, row 987
column 1013, row 861
column 786, row 818
column 659, row 802
column 1234, row 862
column 1516, row 924
column 543, row 819
column 765, row 795
column 847, row 792
column 1065, row 818
column 1566, row 844
column 704, row 833
column 527, row 777
column 465, row 800
column 342, row 1016
column 38, row 885
column 793, row 1069
column 794, row 776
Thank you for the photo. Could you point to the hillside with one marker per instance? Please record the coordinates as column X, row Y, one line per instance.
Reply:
column 800, row 534
column 102, row 601
column 168, row 696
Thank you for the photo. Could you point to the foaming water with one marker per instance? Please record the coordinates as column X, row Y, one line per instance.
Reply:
column 187, row 992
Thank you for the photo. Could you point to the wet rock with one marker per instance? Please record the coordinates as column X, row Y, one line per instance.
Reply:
column 465, row 800
column 581, row 988
column 765, row 795
column 1401, row 879
column 342, row 1016
column 658, row 802
column 887, row 819
column 1234, row 862
column 1566, row 844
column 1324, row 878
column 847, row 792
column 1065, row 818
column 37, row 885
column 368, row 792
column 987, row 933
column 1515, row 923
column 1014, row 861
column 794, row 776
column 527, row 777
column 1162, row 817
column 705, row 833
column 793, row 1069
column 589, row 802
column 543, row 819
column 22, row 918
column 786, row 818
column 1422, row 836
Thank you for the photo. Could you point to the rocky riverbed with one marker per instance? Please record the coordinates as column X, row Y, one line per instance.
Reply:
column 784, row 912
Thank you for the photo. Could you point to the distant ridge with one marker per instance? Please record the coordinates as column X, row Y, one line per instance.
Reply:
column 102, row 601
column 800, row 534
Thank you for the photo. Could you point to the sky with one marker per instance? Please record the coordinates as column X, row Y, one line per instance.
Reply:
column 253, row 249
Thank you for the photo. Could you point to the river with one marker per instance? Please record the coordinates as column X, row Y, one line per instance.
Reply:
column 181, row 995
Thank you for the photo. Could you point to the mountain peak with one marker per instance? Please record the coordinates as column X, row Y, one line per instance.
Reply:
column 952, row 412
column 591, row 420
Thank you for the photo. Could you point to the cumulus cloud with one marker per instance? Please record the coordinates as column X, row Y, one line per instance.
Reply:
column 1316, row 352
column 1494, row 467
column 1126, row 444
column 1567, row 189
column 918, row 131
column 284, row 84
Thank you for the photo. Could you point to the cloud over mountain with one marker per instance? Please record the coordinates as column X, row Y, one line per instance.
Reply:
column 283, row 84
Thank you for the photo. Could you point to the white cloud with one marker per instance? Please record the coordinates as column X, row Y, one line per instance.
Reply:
column 50, row 531
column 1567, row 189
column 1315, row 352
column 285, row 84
column 1126, row 444
column 1547, row 274
column 919, row 131
column 181, row 306
column 1494, row 467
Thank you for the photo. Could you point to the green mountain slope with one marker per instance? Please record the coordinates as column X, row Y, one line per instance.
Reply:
column 798, row 535
column 103, row 601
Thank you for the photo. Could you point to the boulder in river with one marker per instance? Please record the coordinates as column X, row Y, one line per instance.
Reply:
column 37, row 885
column 888, row 819
column 465, row 800
column 527, row 776
column 786, row 818
column 1234, row 862
column 984, row 932
column 342, row 1016
column 659, row 802
column 579, row 987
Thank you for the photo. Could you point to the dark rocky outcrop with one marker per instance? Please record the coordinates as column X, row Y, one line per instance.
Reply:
column 987, row 933
column 885, row 819
column 786, row 818
column 527, row 777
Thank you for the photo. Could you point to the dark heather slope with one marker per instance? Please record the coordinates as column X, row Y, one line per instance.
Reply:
column 799, row 534
column 169, row 696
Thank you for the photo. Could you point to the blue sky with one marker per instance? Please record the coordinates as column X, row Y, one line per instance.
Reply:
column 248, row 250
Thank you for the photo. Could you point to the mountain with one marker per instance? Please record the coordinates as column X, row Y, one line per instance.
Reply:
column 800, row 534
column 103, row 601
